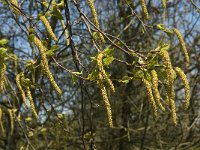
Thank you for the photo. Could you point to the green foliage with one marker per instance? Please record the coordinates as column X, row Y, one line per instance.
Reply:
column 126, row 79
column 3, row 42
column 57, row 13
column 108, row 60
column 52, row 51
column 74, row 76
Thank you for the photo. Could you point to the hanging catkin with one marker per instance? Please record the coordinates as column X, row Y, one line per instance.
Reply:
column 45, row 65
column 1, row 122
column 18, row 83
column 31, row 102
column 186, row 86
column 11, row 116
column 14, row 7
column 102, row 75
column 171, row 75
column 144, row 9
column 150, row 95
column 155, row 89
column 48, row 28
column 96, row 22
column 182, row 43
column 164, row 4
column 106, row 100
column 65, row 32
column 2, row 76
column 103, row 72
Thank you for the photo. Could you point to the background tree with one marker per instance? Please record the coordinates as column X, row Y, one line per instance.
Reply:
column 99, row 74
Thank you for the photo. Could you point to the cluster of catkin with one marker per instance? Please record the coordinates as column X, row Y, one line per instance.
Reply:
column 153, row 92
column 154, row 95
column 102, row 75
column 25, row 88
column 48, row 27
column 171, row 74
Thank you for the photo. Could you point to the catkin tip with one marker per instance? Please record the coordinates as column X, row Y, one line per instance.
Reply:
column 173, row 109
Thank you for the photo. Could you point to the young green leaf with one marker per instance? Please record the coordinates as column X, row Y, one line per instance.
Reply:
column 55, row 47
column 3, row 42
column 107, row 61
column 57, row 13
column 108, row 51
column 125, row 79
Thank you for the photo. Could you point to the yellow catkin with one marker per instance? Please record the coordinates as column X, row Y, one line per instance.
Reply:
column 172, row 104
column 66, row 32
column 1, row 123
column 31, row 102
column 11, row 116
column 14, row 6
column 15, row 62
column 182, row 43
column 48, row 28
column 2, row 76
column 167, row 62
column 45, row 65
column 18, row 83
column 171, row 75
column 150, row 95
column 96, row 22
column 105, row 99
column 14, row 2
column 103, row 72
column 186, row 86
column 155, row 89
column 171, row 99
column 167, row 99
column 164, row 4
column 144, row 9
